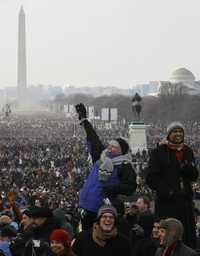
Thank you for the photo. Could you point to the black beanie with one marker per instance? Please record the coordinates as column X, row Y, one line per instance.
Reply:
column 37, row 212
column 123, row 145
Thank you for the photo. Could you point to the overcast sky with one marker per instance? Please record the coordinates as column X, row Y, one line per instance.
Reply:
column 100, row 42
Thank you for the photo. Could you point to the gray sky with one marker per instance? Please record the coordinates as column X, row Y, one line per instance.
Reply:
column 100, row 42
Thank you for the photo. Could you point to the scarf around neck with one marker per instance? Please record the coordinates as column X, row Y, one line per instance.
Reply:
column 106, row 164
column 101, row 237
column 177, row 147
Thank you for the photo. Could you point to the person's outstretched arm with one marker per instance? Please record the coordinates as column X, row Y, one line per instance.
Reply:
column 93, row 142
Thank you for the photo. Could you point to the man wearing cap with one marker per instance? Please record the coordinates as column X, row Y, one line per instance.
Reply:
column 43, row 224
column 111, row 174
column 103, row 238
column 171, row 171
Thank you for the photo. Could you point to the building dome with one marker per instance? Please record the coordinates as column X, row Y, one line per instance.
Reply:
column 182, row 75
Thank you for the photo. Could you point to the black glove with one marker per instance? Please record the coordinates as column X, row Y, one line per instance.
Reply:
column 81, row 110
column 188, row 170
column 110, row 191
column 138, row 230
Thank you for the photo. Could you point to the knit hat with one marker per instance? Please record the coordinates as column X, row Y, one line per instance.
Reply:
column 123, row 145
column 61, row 236
column 37, row 212
column 106, row 209
column 172, row 224
column 174, row 125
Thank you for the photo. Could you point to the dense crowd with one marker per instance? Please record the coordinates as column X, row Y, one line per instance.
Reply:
column 44, row 162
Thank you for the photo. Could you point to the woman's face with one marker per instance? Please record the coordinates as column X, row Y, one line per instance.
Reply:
column 26, row 221
column 57, row 247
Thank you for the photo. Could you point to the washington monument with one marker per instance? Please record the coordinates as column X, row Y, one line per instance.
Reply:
column 21, row 67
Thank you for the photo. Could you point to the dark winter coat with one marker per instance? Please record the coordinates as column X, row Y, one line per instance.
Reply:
column 172, row 182
column 144, row 246
column 84, row 245
column 41, row 233
column 180, row 250
column 142, row 242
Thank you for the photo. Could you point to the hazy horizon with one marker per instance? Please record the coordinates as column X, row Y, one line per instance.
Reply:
column 100, row 43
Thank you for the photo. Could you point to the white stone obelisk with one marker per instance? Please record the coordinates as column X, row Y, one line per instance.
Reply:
column 21, row 67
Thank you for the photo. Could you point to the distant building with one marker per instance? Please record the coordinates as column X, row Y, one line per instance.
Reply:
column 182, row 81
column 96, row 91
column 146, row 89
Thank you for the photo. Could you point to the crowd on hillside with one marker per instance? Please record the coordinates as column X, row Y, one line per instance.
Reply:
column 44, row 162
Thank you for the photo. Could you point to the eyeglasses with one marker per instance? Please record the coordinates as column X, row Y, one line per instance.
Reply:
column 107, row 217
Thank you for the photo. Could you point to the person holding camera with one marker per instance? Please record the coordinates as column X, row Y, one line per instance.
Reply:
column 171, row 171
column 111, row 175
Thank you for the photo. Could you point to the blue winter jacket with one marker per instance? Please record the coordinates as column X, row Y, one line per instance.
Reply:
column 92, row 195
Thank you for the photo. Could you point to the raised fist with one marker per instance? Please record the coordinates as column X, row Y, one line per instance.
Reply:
column 81, row 110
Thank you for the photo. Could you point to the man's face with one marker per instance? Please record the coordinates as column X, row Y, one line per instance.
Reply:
column 141, row 205
column 114, row 148
column 57, row 248
column 155, row 230
column 176, row 136
column 106, row 222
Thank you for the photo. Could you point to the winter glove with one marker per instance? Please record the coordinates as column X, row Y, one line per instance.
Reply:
column 81, row 111
column 187, row 169
column 110, row 191
column 138, row 230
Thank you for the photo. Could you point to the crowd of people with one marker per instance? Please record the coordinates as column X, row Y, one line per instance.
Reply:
column 45, row 165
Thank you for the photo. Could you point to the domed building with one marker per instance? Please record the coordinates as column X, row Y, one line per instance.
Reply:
column 182, row 81
column 182, row 75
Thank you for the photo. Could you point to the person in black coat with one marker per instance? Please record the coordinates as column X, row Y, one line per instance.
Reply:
column 142, row 230
column 103, row 238
column 171, row 171
column 111, row 174
column 43, row 224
